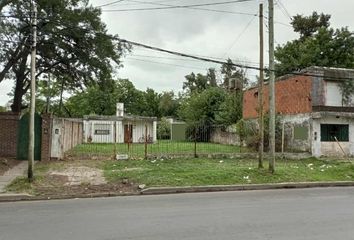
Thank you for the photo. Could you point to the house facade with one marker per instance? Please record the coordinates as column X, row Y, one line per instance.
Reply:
column 315, row 115
column 120, row 128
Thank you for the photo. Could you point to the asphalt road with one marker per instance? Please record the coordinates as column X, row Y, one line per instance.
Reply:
column 273, row 214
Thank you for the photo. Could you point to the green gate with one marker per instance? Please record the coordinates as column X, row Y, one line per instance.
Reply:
column 23, row 132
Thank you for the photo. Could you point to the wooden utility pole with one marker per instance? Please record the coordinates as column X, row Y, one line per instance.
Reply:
column 271, row 88
column 260, row 88
column 33, row 94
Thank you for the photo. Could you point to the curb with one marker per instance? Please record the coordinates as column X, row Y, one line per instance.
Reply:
column 176, row 190
column 25, row 197
column 218, row 188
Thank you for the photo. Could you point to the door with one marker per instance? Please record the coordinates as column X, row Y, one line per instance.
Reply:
column 128, row 133
column 22, row 140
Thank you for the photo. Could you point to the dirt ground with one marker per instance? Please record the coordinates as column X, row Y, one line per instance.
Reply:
column 76, row 179
column 6, row 164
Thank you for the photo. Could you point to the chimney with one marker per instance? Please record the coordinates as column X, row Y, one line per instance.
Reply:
column 120, row 110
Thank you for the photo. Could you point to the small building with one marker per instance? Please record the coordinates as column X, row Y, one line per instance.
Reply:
column 316, row 116
column 120, row 128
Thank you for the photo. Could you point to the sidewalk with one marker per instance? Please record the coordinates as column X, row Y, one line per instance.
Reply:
column 17, row 171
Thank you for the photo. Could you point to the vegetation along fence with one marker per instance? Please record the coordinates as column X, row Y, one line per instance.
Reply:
column 138, row 139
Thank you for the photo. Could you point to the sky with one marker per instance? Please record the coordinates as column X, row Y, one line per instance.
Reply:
column 202, row 33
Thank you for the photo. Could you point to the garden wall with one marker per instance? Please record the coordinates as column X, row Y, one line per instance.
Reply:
column 224, row 137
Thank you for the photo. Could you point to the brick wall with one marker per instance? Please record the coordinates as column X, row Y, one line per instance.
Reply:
column 293, row 96
column 46, row 137
column 8, row 134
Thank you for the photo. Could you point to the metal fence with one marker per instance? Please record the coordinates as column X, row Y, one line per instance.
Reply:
column 144, row 140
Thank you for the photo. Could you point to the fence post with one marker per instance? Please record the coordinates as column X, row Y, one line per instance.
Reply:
column 195, row 142
column 282, row 137
column 145, row 142
column 128, row 138
column 115, row 140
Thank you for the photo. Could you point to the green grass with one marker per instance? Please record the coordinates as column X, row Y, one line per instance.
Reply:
column 192, row 172
column 159, row 148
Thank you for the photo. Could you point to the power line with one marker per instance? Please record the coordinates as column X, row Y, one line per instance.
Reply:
column 239, row 36
column 169, row 64
column 223, row 62
column 186, row 59
column 174, row 6
column 287, row 14
column 183, row 54
column 111, row 3
column 159, row 1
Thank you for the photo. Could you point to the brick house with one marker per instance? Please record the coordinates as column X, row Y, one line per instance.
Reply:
column 312, row 108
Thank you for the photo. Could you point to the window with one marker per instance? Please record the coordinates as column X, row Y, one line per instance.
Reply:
column 300, row 133
column 102, row 129
column 331, row 132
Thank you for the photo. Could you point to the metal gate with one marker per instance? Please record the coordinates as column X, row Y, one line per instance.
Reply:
column 22, row 137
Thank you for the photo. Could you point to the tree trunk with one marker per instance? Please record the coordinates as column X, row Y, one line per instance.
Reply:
column 18, row 94
column 20, row 88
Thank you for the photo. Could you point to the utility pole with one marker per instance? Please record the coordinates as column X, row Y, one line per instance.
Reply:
column 33, row 93
column 260, row 88
column 271, row 88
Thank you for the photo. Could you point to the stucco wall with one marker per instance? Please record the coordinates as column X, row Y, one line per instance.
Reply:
column 292, row 123
column 66, row 134
column 138, row 128
column 332, row 148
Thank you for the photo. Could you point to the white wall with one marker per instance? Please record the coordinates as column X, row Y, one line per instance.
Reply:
column 91, row 125
column 138, row 130
column 331, row 148
column 333, row 95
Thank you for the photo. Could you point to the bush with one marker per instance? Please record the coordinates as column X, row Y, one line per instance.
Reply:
column 248, row 131
column 164, row 129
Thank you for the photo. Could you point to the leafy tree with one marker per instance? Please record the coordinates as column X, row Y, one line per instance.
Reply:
column 73, row 45
column 164, row 129
column 168, row 104
column 202, row 108
column 2, row 109
column 235, row 76
column 195, row 83
column 231, row 109
column 318, row 45
column 150, row 105
column 308, row 26
column 211, row 76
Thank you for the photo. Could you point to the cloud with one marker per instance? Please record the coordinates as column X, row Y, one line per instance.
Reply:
column 201, row 33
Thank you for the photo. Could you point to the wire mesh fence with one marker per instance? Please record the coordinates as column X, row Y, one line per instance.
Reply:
column 142, row 139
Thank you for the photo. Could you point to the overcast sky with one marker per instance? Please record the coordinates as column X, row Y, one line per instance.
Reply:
column 197, row 32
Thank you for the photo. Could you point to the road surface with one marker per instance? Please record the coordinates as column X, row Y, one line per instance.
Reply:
column 273, row 214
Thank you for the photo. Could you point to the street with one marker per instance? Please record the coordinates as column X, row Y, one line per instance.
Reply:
column 273, row 214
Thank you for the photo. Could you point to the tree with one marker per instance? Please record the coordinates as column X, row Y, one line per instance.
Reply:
column 318, row 45
column 73, row 45
column 164, row 129
column 233, row 77
column 168, row 104
column 150, row 105
column 231, row 109
column 2, row 109
column 211, row 76
column 202, row 108
column 308, row 26
column 195, row 83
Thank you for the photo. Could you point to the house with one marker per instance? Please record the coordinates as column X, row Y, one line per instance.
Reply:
column 316, row 116
column 120, row 128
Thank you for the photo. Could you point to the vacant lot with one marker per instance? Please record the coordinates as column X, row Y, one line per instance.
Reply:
column 184, row 172
column 163, row 147
column 71, row 177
